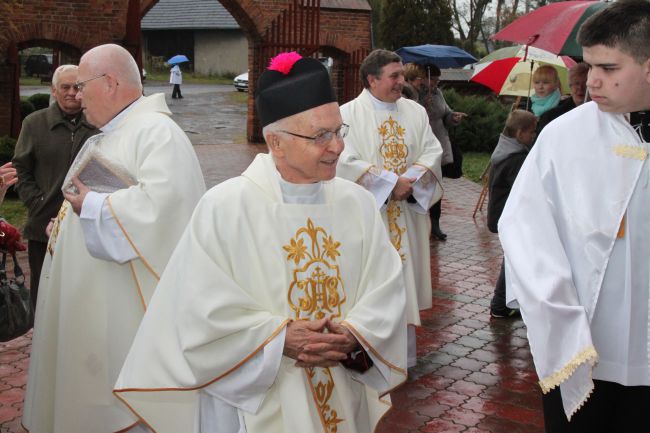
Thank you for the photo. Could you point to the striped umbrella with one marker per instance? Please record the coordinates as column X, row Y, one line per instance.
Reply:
column 508, row 71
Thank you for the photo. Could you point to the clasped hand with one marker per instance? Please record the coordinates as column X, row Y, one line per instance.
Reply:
column 318, row 343
column 403, row 188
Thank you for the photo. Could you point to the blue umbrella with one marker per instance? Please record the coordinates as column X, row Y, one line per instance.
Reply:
column 178, row 58
column 443, row 56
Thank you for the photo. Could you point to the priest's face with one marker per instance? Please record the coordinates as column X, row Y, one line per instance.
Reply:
column 387, row 86
column 616, row 81
column 94, row 94
column 302, row 160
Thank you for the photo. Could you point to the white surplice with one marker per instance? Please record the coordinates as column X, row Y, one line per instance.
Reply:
column 386, row 141
column 89, row 309
column 247, row 264
column 575, row 234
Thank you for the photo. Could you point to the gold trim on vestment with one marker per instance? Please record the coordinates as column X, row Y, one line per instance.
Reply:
column 587, row 355
column 221, row 376
column 137, row 284
column 315, row 293
column 374, row 351
column 631, row 151
column 128, row 238
column 56, row 228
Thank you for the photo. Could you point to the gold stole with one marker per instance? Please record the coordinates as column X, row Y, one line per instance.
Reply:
column 316, row 292
column 394, row 151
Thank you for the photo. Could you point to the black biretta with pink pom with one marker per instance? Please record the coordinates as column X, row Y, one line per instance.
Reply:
column 290, row 85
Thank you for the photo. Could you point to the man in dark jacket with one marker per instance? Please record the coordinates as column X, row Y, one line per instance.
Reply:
column 505, row 162
column 49, row 140
column 578, row 86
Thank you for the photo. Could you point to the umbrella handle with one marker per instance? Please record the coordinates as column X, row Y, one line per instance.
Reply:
column 530, row 81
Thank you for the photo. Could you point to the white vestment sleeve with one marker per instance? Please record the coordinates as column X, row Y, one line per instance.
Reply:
column 379, row 183
column 244, row 388
column 104, row 238
column 423, row 189
column 377, row 377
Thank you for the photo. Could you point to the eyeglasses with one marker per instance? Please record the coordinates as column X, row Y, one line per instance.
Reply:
column 324, row 137
column 79, row 85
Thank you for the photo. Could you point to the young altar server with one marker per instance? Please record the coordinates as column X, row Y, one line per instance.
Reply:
column 576, row 237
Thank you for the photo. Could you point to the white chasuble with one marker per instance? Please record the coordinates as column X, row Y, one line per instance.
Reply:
column 247, row 264
column 397, row 142
column 559, row 229
column 89, row 309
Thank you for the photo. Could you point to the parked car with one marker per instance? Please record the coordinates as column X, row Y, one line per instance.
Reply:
column 38, row 64
column 241, row 82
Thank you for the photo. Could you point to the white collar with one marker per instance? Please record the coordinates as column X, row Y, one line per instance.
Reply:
column 301, row 193
column 115, row 121
column 381, row 105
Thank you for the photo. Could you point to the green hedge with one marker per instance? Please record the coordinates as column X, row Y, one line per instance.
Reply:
column 40, row 100
column 479, row 131
column 26, row 108
column 7, row 146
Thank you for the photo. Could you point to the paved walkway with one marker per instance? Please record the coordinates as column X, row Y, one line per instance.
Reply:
column 474, row 374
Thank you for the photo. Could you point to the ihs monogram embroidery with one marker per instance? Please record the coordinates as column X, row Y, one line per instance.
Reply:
column 317, row 292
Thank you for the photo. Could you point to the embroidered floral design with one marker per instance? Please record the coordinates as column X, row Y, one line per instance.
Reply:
column 393, row 212
column 393, row 149
column 317, row 292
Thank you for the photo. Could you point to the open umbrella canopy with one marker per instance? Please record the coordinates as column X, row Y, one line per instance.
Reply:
column 178, row 58
column 443, row 56
column 507, row 73
column 553, row 27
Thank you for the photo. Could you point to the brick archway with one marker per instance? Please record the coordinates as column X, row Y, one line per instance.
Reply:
column 344, row 26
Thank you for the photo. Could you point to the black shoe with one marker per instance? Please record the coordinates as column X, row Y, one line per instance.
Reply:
column 505, row 313
column 438, row 234
column 180, row 97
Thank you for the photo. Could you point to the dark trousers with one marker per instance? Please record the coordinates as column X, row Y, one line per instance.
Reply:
column 499, row 298
column 434, row 214
column 612, row 408
column 176, row 93
column 36, row 254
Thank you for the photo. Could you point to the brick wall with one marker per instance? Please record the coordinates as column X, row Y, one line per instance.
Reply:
column 82, row 24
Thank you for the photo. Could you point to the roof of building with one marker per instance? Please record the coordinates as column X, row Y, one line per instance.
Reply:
column 188, row 14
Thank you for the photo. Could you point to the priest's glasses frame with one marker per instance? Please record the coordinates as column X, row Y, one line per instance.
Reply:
column 322, row 139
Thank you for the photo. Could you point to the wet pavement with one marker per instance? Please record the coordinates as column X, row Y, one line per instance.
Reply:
column 474, row 374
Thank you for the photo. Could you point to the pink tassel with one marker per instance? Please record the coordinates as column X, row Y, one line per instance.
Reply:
column 283, row 62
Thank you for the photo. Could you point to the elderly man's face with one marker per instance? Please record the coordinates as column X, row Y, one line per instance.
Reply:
column 387, row 86
column 301, row 160
column 65, row 92
column 578, row 86
column 92, row 95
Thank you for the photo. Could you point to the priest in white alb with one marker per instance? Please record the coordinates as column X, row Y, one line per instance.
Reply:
column 282, row 308
column 576, row 237
column 393, row 153
column 107, row 250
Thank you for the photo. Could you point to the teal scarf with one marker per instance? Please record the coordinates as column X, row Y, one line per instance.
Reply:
column 542, row 105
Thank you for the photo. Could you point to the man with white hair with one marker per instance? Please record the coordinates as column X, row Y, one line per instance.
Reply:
column 48, row 143
column 107, row 251
column 282, row 308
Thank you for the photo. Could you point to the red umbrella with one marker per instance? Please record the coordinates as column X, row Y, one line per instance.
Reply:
column 553, row 27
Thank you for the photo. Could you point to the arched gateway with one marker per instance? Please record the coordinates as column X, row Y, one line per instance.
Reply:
column 335, row 28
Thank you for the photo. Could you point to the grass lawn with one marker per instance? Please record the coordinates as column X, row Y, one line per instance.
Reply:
column 14, row 211
column 474, row 164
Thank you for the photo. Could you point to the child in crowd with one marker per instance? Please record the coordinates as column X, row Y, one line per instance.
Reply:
column 508, row 157
column 547, row 90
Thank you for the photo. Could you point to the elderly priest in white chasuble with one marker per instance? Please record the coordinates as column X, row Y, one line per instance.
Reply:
column 110, row 243
column 282, row 308
column 392, row 152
